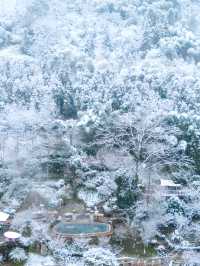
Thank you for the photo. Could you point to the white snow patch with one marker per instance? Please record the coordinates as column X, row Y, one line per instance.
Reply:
column 38, row 260
column 90, row 198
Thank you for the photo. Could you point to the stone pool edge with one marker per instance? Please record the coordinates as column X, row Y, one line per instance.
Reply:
column 107, row 233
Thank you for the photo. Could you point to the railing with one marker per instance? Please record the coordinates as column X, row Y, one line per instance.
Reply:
column 128, row 261
column 155, row 261
column 166, row 192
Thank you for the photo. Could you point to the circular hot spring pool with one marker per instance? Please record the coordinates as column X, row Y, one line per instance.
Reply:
column 82, row 229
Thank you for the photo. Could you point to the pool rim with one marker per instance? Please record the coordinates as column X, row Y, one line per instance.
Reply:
column 107, row 233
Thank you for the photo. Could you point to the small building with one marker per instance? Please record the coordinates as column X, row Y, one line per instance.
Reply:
column 169, row 184
column 168, row 188
column 69, row 216
column 98, row 217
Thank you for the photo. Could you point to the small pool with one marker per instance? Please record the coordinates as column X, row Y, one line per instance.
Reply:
column 82, row 229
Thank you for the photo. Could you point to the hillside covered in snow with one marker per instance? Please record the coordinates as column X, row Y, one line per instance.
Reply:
column 100, row 117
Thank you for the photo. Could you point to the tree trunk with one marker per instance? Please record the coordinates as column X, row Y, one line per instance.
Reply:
column 137, row 171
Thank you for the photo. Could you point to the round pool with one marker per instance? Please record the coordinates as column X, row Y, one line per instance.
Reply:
column 82, row 229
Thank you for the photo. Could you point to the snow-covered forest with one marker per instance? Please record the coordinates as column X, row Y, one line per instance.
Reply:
column 100, row 116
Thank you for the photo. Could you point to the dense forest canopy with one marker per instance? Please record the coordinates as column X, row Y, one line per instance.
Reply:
column 108, row 95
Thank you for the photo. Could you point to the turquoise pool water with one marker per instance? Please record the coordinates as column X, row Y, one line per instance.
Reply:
column 92, row 228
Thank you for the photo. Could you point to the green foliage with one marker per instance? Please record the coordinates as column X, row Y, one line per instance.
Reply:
column 56, row 169
column 127, row 192
column 18, row 256
column 174, row 205
column 189, row 131
column 66, row 105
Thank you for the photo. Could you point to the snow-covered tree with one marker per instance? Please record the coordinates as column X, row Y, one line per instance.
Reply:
column 143, row 133
column 99, row 257
column 18, row 256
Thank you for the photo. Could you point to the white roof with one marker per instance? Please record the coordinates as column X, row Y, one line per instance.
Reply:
column 4, row 216
column 12, row 235
column 68, row 213
column 168, row 183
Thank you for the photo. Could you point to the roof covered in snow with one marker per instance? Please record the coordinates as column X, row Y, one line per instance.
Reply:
column 168, row 183
column 3, row 216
